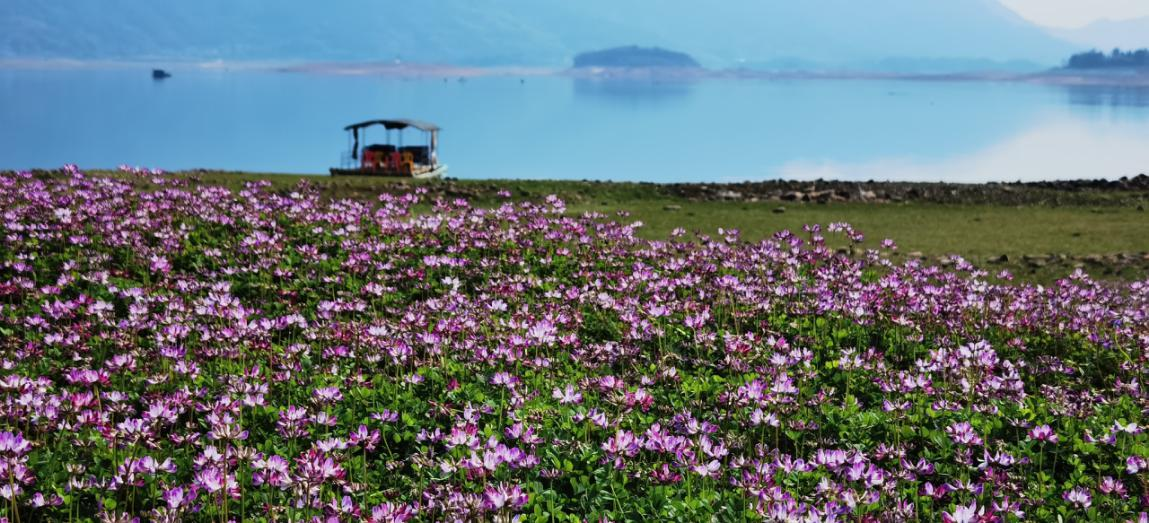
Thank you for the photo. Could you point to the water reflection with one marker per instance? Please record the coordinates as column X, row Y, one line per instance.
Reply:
column 1109, row 96
column 1053, row 148
column 633, row 91
column 564, row 128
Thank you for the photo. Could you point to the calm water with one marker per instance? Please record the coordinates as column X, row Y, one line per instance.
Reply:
column 710, row 130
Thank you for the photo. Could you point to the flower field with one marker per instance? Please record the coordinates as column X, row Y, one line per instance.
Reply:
column 194, row 354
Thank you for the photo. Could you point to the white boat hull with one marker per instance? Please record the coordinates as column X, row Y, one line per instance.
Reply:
column 438, row 172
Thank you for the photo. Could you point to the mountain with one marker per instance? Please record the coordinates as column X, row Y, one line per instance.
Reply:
column 833, row 33
column 1106, row 35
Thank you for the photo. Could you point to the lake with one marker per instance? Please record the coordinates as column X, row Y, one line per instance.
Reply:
column 567, row 128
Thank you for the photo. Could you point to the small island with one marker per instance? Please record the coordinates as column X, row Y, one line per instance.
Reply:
column 635, row 57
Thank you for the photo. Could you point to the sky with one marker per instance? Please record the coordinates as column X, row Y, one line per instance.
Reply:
column 1077, row 13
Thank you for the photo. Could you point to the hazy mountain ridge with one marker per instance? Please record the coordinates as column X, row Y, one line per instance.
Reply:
column 1106, row 35
column 836, row 33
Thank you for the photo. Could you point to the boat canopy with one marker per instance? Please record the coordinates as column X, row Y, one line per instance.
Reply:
column 395, row 124
column 399, row 125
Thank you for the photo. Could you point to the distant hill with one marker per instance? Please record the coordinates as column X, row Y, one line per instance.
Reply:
column 731, row 33
column 1109, row 34
column 634, row 56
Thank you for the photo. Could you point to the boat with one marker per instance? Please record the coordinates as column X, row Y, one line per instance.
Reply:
column 392, row 159
column 160, row 74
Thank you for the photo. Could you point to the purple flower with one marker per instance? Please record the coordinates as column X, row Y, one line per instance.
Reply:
column 14, row 444
column 543, row 332
column 964, row 514
column 707, row 469
column 784, row 384
column 1079, row 496
column 364, row 437
column 1128, row 428
column 1111, row 486
column 962, row 433
column 504, row 497
column 273, row 470
column 316, row 468
column 504, row 379
column 327, row 395
column 623, row 443
column 212, row 480
column 179, row 498
column 392, row 513
column 1043, row 433
column 293, row 422
column 1135, row 464
column 568, row 395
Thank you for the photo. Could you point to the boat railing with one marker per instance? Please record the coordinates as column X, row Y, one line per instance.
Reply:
column 347, row 161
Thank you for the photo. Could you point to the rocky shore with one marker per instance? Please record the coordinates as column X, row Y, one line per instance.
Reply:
column 1126, row 191
column 1108, row 263
column 1066, row 192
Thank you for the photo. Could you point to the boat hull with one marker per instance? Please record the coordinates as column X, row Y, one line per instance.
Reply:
column 437, row 172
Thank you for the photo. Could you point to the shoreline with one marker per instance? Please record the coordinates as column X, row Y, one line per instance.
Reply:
column 1061, row 77
column 1050, row 77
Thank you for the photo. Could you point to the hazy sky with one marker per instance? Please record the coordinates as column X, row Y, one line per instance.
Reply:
column 1076, row 13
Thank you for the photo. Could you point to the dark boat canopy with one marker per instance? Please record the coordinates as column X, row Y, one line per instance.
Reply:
column 395, row 124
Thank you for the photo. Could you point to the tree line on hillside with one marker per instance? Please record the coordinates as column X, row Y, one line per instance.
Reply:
column 1117, row 59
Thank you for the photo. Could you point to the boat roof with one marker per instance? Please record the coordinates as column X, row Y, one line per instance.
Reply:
column 395, row 124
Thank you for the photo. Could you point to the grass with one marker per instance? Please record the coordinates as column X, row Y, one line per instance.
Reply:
column 969, row 230
column 981, row 233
